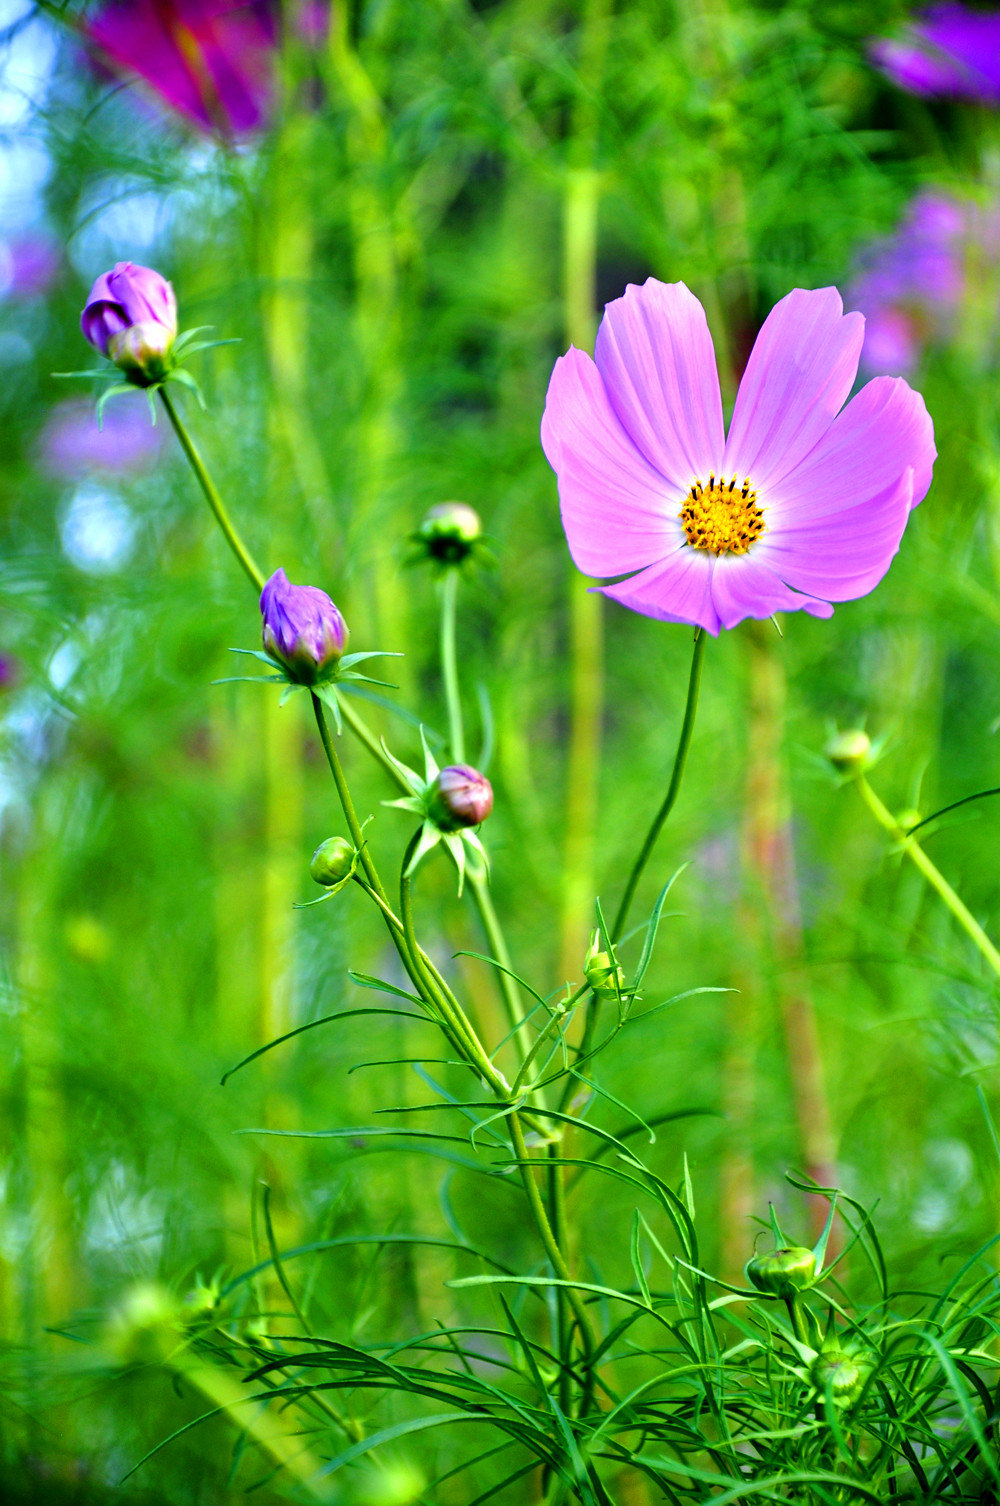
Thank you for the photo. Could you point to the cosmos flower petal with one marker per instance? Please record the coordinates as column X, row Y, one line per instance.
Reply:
column 657, row 361
column 743, row 586
column 616, row 508
column 884, row 431
column 800, row 372
column 675, row 589
column 841, row 556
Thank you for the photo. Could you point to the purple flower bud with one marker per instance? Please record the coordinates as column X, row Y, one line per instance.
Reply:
column 302, row 628
column 460, row 796
column 131, row 317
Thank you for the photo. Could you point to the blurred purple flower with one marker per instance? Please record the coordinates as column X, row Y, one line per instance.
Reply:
column 210, row 60
column 910, row 284
column 946, row 51
column 10, row 672
column 71, row 443
column 29, row 265
column 126, row 298
column 302, row 628
column 801, row 505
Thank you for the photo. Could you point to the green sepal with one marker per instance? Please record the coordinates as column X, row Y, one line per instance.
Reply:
column 265, row 658
column 412, row 778
column 187, row 335
column 103, row 373
column 408, row 803
column 250, row 680
column 116, row 391
column 349, row 660
column 327, row 693
column 178, row 374
column 429, row 839
column 290, row 690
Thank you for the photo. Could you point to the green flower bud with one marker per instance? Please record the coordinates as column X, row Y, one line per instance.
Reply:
column 841, row 1367
column 143, row 1329
column 783, row 1273
column 449, row 532
column 848, row 751
column 600, row 971
column 332, row 862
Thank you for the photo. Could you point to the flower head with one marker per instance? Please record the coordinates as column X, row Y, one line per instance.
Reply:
column 782, row 1273
column 302, row 629
column 799, row 506
column 450, row 801
column 449, row 533
column 946, row 51
column 131, row 317
column 210, row 60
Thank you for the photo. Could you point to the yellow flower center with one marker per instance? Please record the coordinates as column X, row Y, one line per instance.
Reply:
column 722, row 516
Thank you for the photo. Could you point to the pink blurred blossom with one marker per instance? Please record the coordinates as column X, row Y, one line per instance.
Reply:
column 29, row 265
column 946, row 51
column 210, row 60
column 72, row 445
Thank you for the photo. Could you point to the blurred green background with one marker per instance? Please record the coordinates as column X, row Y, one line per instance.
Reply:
column 440, row 198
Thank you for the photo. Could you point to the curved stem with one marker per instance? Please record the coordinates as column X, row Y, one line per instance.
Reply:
column 350, row 815
column 931, row 873
column 212, row 497
column 673, row 789
column 449, row 665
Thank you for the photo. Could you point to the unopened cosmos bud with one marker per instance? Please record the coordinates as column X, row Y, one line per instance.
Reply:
column 848, row 751
column 131, row 317
column 460, row 796
column 844, row 1371
column 783, row 1273
column 449, row 531
column 302, row 629
column 599, row 970
column 332, row 861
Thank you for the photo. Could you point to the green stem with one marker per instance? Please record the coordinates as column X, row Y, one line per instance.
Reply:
column 212, row 497
column 350, row 815
column 449, row 665
column 556, row 1258
column 483, row 901
column 673, row 789
column 798, row 1321
column 933, row 875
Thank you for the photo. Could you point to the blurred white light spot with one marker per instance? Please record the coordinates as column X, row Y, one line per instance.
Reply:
column 64, row 664
column 14, row 349
column 98, row 530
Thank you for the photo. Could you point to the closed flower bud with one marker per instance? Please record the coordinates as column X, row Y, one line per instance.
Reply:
column 842, row 1369
column 449, row 532
column 600, row 972
column 848, row 751
column 131, row 317
column 143, row 1328
column 302, row 629
column 783, row 1273
column 332, row 862
column 460, row 796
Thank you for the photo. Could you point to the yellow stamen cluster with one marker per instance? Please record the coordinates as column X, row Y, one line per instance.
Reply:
column 722, row 516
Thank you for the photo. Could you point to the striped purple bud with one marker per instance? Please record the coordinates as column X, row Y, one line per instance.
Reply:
column 459, row 797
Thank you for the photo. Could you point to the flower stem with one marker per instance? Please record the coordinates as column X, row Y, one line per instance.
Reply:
column 449, row 665
column 933, row 875
column 673, row 789
column 212, row 497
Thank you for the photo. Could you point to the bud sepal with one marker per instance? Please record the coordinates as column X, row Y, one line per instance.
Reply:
column 451, row 802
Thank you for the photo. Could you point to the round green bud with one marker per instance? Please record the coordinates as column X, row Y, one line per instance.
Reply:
column 843, row 1370
column 332, row 861
column 449, row 532
column 849, row 751
column 783, row 1273
column 143, row 1328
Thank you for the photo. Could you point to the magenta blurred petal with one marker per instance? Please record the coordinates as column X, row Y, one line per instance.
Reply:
column 946, row 51
column 656, row 360
column 800, row 371
column 611, row 497
column 210, row 60
column 71, row 443
column 827, row 492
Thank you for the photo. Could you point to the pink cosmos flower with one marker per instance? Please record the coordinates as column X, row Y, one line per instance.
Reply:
column 801, row 505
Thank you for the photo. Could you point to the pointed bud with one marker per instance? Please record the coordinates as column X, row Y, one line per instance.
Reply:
column 332, row 862
column 848, row 751
column 131, row 317
column 460, row 796
column 600, row 972
column 302, row 629
column 783, row 1272
column 449, row 532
